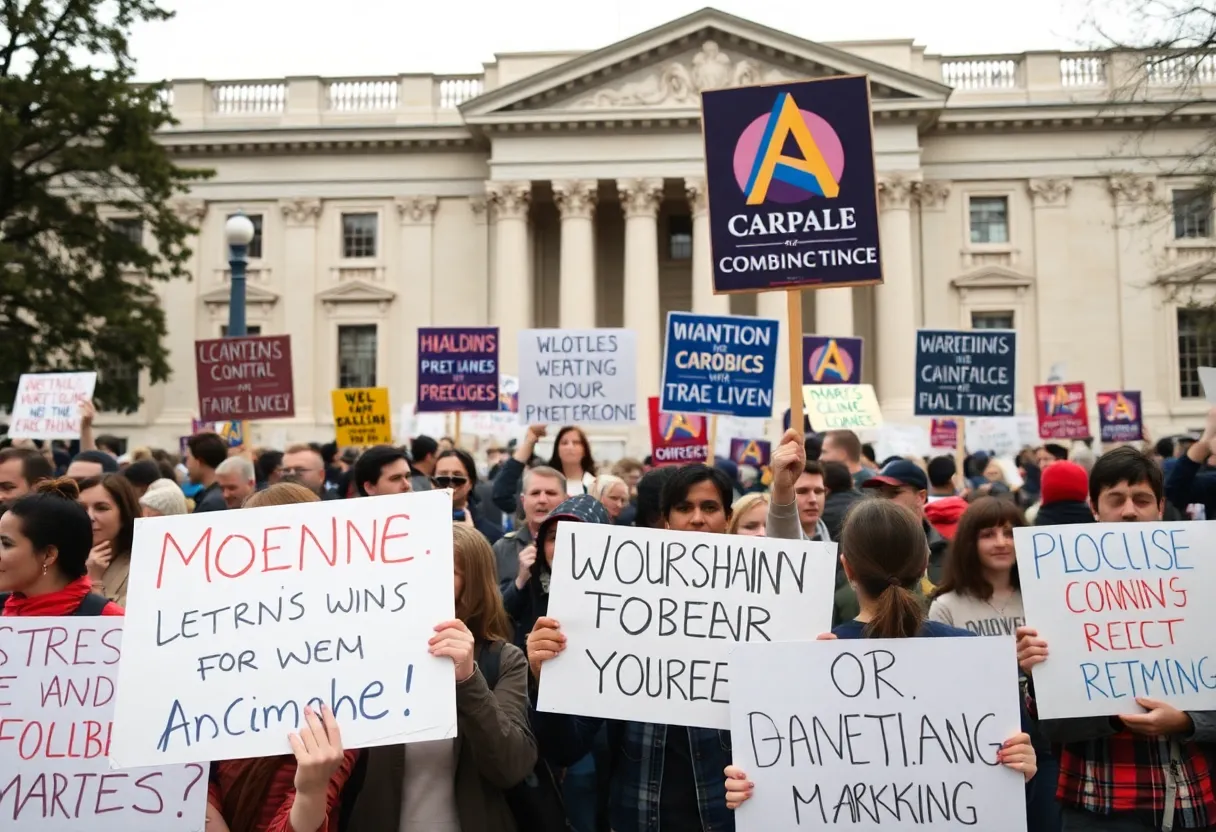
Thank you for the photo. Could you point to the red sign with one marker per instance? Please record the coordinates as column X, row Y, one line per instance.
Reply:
column 677, row 438
column 943, row 433
column 1061, row 411
column 244, row 378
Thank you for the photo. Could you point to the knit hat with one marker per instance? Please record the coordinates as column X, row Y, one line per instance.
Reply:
column 1064, row 481
column 582, row 509
column 165, row 497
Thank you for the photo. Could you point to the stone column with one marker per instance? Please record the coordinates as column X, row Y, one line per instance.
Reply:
column 179, row 298
column 774, row 305
column 415, row 303
column 1053, row 288
column 895, row 299
column 576, row 200
column 834, row 312
column 1142, row 360
column 704, row 301
column 640, row 200
column 512, row 310
column 300, row 260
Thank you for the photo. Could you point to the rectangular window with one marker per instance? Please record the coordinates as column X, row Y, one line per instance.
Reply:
column 679, row 237
column 130, row 227
column 989, row 219
column 251, row 329
column 992, row 320
column 359, row 235
column 255, row 246
column 357, row 356
column 1196, row 348
column 1192, row 215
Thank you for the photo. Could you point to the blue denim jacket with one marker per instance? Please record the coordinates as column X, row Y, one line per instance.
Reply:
column 637, row 766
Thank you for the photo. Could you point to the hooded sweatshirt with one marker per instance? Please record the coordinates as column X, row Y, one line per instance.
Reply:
column 582, row 508
column 944, row 515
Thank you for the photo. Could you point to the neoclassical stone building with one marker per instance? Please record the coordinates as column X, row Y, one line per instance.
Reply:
column 566, row 189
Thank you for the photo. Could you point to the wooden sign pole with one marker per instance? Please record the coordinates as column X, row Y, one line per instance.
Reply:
column 712, row 437
column 456, row 433
column 960, row 451
column 793, row 300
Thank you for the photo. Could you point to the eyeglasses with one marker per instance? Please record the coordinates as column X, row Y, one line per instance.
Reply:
column 449, row 482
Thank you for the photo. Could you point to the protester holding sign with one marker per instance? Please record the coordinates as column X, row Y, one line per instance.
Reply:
column 460, row 783
column 45, row 539
column 1138, row 770
column 287, row 792
column 689, row 795
column 883, row 552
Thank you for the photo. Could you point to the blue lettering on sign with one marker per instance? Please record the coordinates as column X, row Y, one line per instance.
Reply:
column 723, row 364
column 1163, row 677
column 1138, row 550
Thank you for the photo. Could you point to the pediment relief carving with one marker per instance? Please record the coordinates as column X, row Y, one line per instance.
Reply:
column 254, row 296
column 356, row 291
column 992, row 278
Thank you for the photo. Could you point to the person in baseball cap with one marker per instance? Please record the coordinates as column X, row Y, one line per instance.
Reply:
column 906, row 483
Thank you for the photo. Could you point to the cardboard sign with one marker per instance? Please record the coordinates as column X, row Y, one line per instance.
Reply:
column 792, row 192
column 677, row 438
column 842, row 406
column 1125, row 610
column 457, row 369
column 244, row 378
column 47, row 405
column 362, row 416
column 1061, row 411
column 755, row 452
column 1119, row 416
column 831, row 360
column 57, row 682
column 578, row 377
column 966, row 372
column 858, row 734
column 245, row 617
column 651, row 615
column 719, row 364
column 943, row 433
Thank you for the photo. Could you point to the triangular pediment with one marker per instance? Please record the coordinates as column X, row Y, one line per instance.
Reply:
column 254, row 295
column 356, row 291
column 993, row 277
column 667, row 68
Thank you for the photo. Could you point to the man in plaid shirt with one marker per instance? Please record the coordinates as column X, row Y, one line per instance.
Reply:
column 1146, row 771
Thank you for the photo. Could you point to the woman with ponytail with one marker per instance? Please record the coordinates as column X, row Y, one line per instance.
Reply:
column 45, row 539
column 297, row 792
column 884, row 553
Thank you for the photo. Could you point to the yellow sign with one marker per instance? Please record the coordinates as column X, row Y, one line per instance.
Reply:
column 841, row 406
column 362, row 416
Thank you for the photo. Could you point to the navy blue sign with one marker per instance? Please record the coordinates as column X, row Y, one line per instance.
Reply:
column 968, row 372
column 792, row 192
column 721, row 364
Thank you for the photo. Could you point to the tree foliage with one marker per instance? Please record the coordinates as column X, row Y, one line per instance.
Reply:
column 78, row 147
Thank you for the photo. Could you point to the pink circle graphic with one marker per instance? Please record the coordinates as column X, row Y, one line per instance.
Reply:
column 831, row 373
column 748, row 146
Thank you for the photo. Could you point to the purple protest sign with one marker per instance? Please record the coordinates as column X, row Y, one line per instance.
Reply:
column 457, row 369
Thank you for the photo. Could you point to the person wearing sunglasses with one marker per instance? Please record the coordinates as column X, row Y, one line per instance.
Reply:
column 456, row 470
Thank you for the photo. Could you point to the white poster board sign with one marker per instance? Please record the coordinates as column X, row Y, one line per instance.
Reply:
column 893, row 439
column 735, row 427
column 856, row 734
column 1125, row 609
column 245, row 617
column 993, row 435
column 56, row 703
column 578, row 377
column 47, row 405
column 650, row 616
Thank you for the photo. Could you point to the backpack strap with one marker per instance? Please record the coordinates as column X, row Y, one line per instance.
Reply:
column 490, row 662
column 92, row 604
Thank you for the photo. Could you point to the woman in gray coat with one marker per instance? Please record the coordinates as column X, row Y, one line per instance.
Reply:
column 458, row 785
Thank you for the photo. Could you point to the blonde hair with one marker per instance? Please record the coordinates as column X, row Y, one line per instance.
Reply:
column 603, row 484
column 741, row 506
column 281, row 494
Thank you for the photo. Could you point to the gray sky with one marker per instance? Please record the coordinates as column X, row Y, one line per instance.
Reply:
column 220, row 39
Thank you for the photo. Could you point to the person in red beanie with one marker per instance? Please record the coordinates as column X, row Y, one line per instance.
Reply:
column 1065, row 490
column 944, row 515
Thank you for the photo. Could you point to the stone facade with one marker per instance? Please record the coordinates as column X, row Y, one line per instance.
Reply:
column 568, row 190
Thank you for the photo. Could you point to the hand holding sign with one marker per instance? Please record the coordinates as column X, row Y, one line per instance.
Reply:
column 788, row 461
column 318, row 750
column 544, row 642
column 1162, row 719
column 87, row 412
column 453, row 639
column 1031, row 648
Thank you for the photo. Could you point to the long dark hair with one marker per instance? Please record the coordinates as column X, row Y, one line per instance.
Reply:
column 125, row 501
column 587, row 462
column 885, row 547
column 963, row 572
column 51, row 516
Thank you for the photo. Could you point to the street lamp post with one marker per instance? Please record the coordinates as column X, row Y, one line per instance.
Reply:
column 239, row 231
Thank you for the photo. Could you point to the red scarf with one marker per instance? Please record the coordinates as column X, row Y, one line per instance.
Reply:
column 61, row 602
